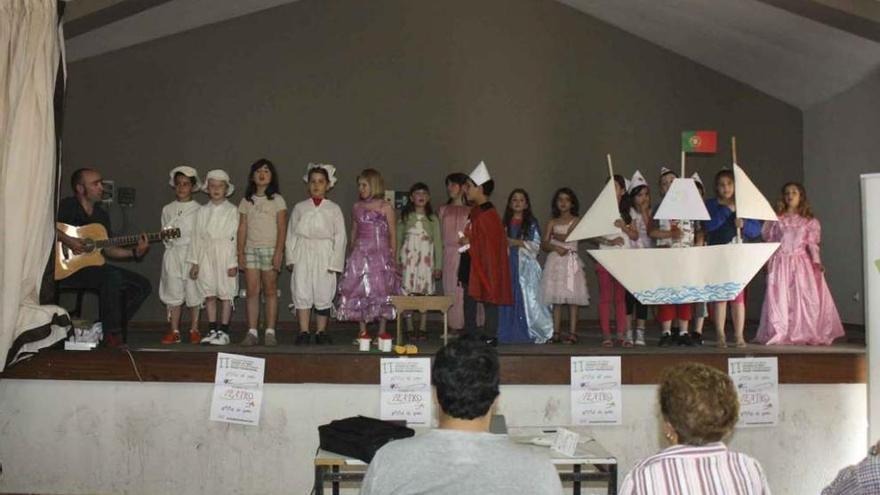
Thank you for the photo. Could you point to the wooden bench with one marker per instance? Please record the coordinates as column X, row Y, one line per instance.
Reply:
column 421, row 304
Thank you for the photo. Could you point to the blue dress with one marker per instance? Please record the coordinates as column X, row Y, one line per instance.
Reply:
column 527, row 320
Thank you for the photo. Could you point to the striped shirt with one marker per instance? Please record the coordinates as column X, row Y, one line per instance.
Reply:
column 709, row 469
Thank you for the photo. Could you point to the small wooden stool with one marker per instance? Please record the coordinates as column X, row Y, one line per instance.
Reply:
column 421, row 304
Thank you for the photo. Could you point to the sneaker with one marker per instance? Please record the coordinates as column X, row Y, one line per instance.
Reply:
column 269, row 339
column 640, row 336
column 696, row 338
column 685, row 340
column 220, row 338
column 304, row 338
column 194, row 337
column 321, row 338
column 208, row 338
column 171, row 337
column 666, row 339
column 249, row 340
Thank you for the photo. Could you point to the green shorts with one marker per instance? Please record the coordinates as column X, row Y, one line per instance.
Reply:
column 259, row 258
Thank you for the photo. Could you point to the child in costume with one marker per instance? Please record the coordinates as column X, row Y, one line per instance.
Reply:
column 528, row 319
column 420, row 249
column 176, row 288
column 798, row 307
column 371, row 274
column 213, row 254
column 484, row 271
column 610, row 290
column 640, row 213
column 673, row 234
column 315, row 252
column 721, row 228
column 563, row 282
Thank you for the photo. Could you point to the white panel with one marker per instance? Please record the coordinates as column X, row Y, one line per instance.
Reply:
column 682, row 202
column 871, row 254
column 599, row 219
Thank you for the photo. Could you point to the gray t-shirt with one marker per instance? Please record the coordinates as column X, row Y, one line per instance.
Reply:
column 450, row 462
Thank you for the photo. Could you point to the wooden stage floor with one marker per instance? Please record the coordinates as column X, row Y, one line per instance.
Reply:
column 147, row 360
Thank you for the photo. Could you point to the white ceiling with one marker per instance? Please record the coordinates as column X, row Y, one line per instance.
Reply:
column 792, row 58
column 789, row 57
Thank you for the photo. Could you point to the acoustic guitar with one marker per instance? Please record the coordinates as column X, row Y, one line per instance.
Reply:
column 95, row 238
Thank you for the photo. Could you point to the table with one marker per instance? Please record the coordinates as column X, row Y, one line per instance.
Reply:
column 421, row 304
column 335, row 468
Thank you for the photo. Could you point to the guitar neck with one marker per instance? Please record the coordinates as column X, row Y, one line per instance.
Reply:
column 127, row 240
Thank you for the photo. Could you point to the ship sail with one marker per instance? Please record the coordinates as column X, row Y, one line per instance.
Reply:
column 750, row 203
column 599, row 219
column 682, row 202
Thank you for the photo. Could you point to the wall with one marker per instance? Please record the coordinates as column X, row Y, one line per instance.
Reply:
column 840, row 143
column 418, row 89
column 143, row 438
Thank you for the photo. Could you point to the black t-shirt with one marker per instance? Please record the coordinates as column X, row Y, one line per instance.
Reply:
column 72, row 213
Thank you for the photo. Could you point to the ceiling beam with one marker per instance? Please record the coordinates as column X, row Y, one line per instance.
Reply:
column 830, row 16
column 109, row 15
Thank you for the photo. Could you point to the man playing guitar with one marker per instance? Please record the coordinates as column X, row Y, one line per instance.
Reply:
column 81, row 209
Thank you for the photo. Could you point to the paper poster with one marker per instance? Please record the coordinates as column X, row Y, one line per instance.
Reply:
column 877, row 264
column 595, row 390
column 757, row 385
column 406, row 390
column 238, row 389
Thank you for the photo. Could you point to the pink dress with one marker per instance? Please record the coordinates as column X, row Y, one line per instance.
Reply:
column 798, row 308
column 453, row 219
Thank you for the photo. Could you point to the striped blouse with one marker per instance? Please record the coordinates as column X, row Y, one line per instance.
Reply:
column 709, row 469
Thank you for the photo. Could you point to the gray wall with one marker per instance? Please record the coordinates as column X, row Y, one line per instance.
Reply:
column 417, row 89
column 842, row 141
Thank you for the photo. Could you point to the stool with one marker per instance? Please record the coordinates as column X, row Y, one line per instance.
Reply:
column 421, row 304
column 77, row 310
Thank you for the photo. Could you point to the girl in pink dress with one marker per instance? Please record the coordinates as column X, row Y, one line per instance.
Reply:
column 798, row 308
column 453, row 218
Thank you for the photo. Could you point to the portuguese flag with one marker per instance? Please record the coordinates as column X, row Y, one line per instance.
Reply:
column 699, row 141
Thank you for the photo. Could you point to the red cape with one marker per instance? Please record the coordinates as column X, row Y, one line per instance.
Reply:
column 489, row 279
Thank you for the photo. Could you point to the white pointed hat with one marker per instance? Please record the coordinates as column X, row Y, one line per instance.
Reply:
column 331, row 172
column 637, row 180
column 219, row 174
column 666, row 170
column 188, row 172
column 480, row 175
column 699, row 180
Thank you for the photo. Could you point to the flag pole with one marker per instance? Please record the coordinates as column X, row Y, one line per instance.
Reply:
column 610, row 167
column 682, row 164
column 733, row 150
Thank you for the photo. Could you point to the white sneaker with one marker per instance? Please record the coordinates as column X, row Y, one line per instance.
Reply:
column 628, row 336
column 640, row 336
column 222, row 338
column 208, row 338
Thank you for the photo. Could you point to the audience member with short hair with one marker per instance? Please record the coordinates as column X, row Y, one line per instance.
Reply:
column 461, row 456
column 700, row 408
column 861, row 479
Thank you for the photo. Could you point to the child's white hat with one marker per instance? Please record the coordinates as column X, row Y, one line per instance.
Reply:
column 219, row 174
column 637, row 180
column 480, row 175
column 697, row 179
column 187, row 171
column 665, row 170
column 331, row 172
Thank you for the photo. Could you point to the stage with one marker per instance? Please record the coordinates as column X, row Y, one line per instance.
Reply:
column 145, row 359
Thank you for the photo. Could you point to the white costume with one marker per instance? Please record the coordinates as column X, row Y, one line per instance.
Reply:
column 214, row 250
column 316, row 249
column 175, row 286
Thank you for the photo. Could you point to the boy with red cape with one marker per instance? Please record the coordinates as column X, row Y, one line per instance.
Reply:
column 484, row 271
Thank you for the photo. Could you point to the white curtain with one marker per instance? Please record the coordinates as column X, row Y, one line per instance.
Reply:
column 30, row 53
